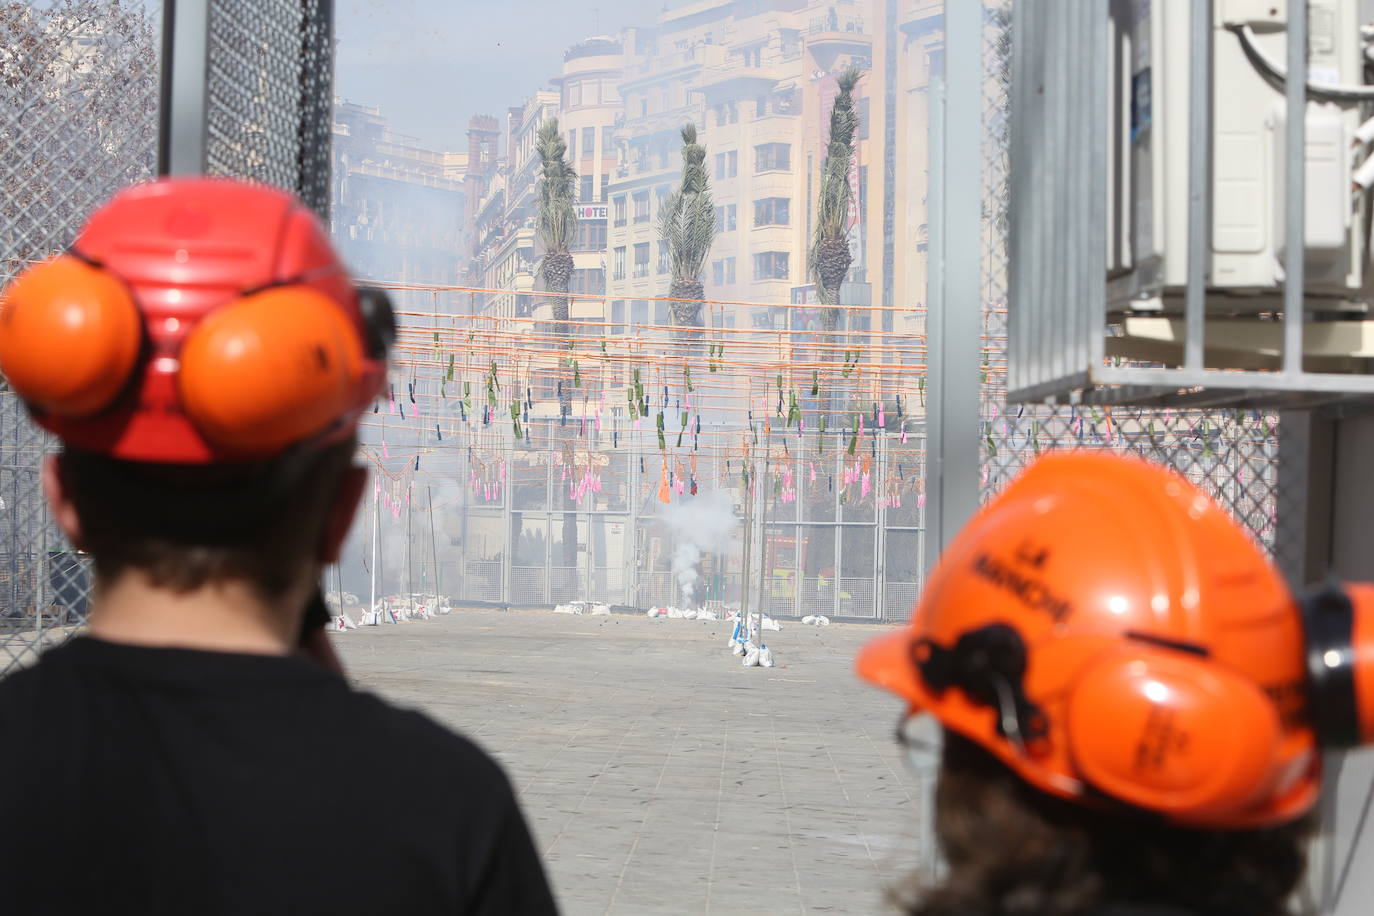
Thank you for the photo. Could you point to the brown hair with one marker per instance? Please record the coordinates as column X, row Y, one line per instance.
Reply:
column 189, row 526
column 1012, row 850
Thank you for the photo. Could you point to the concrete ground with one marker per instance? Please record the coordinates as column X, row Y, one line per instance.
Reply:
column 658, row 774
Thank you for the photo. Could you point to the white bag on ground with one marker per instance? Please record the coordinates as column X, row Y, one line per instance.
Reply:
column 770, row 624
column 751, row 656
column 601, row 610
column 765, row 657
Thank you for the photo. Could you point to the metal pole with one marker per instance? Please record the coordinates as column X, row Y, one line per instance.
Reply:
column 763, row 527
column 1295, row 174
column 434, row 545
column 410, row 514
column 185, row 71
column 748, row 545
column 953, row 322
column 376, row 514
column 40, row 566
column 1199, row 179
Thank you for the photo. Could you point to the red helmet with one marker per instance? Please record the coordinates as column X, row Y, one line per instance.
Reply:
column 195, row 321
column 1111, row 634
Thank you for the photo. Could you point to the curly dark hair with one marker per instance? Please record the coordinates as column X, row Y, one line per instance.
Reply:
column 1012, row 850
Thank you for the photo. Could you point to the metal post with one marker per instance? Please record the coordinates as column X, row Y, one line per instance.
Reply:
column 1295, row 174
column 40, row 565
column 410, row 565
column 185, row 71
column 434, row 545
column 376, row 515
column 748, row 545
column 1199, row 179
column 763, row 527
column 953, row 321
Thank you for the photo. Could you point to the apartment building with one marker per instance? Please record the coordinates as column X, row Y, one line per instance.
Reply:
column 505, row 260
column 397, row 209
column 757, row 80
column 589, row 104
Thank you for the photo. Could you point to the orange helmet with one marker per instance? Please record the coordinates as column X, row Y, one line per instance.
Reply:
column 1111, row 634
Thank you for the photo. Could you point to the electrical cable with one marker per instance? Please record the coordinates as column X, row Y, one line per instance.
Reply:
column 1278, row 75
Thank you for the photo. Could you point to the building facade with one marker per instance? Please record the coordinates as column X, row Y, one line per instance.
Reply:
column 397, row 212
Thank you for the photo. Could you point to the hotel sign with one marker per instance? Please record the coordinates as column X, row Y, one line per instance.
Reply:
column 592, row 211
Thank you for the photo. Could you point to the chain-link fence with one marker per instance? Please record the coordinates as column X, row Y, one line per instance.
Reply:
column 269, row 94
column 1232, row 454
column 79, row 85
column 80, row 88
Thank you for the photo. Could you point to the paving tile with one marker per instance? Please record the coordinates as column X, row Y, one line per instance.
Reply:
column 658, row 775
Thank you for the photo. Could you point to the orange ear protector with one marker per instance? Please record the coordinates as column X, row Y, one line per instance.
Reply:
column 1113, row 637
column 257, row 374
column 195, row 320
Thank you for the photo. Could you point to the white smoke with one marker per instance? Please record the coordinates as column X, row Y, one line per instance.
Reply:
column 700, row 525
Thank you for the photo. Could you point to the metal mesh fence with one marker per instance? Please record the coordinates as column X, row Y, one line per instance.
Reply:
column 79, row 117
column 79, row 82
column 269, row 94
column 1232, row 454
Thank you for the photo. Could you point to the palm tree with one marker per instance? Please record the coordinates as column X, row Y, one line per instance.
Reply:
column 686, row 224
column 557, row 225
column 830, row 256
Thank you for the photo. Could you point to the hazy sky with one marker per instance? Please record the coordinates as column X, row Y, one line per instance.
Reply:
column 430, row 64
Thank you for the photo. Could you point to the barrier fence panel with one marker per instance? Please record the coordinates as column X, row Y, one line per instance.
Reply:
column 78, row 121
column 1231, row 453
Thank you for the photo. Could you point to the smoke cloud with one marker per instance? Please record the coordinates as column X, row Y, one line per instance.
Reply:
column 699, row 526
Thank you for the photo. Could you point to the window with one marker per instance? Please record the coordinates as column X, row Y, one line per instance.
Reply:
column 572, row 141
column 662, row 257
column 588, row 188
column 617, row 317
column 772, row 211
column 591, row 235
column 639, row 311
column 588, row 141
column 770, row 265
column 660, row 198
column 574, row 93
column 619, row 204
column 761, row 106
column 723, row 271
column 588, row 281
column 725, row 218
column 864, row 117
column 607, row 141
column 727, row 164
column 642, row 158
column 618, row 263
column 641, row 259
column 641, row 206
column 772, row 157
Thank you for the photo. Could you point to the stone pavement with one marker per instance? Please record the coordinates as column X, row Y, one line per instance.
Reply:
column 658, row 774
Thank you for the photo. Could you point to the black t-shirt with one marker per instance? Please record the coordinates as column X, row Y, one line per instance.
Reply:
column 151, row 781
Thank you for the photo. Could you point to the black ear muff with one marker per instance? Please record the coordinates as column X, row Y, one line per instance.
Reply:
column 1328, row 623
column 379, row 320
column 989, row 665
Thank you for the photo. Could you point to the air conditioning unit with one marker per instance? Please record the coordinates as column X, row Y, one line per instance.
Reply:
column 1148, row 238
column 1148, row 152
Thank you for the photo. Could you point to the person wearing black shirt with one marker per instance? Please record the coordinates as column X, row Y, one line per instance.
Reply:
column 205, row 360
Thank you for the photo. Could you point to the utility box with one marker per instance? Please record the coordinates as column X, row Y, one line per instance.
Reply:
column 1148, row 145
column 1149, row 169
